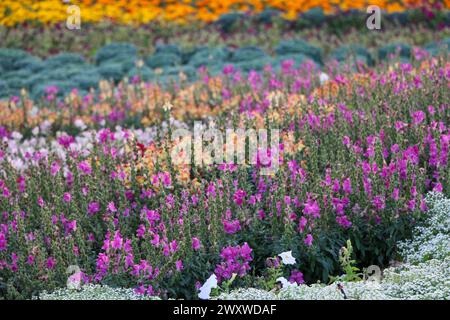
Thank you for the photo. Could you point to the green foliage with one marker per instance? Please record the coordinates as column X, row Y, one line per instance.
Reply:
column 352, row 52
column 9, row 57
column 287, row 47
column 250, row 53
column 401, row 49
column 114, row 51
column 162, row 60
column 209, row 57
column 348, row 265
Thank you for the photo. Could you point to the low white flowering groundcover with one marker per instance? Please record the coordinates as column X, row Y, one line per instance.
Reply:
column 94, row 292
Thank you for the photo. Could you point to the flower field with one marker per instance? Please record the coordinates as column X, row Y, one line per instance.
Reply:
column 112, row 184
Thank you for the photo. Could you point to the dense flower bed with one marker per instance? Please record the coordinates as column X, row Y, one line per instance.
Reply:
column 82, row 185
column 425, row 275
column 144, row 11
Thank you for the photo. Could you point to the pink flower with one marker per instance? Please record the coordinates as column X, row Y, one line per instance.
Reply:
column 347, row 186
column 195, row 243
column 54, row 168
column 179, row 265
column 93, row 208
column 51, row 262
column 309, row 240
column 85, row 167
column 117, row 242
column 296, row 277
column 67, row 197
column 343, row 221
column 112, row 207
column 418, row 117
column 312, row 208
column 231, row 227
column 3, row 242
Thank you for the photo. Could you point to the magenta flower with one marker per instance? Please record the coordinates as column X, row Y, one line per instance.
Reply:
column 312, row 208
column 54, row 168
column 231, row 227
column 67, row 197
column 112, row 207
column 347, row 186
column 296, row 277
column 84, row 167
column 418, row 117
column 179, row 265
column 235, row 260
column 195, row 243
column 3, row 242
column 117, row 242
column 309, row 240
column 93, row 208
column 51, row 262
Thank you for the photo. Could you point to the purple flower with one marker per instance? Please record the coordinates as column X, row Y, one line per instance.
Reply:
column 231, row 227
column 343, row 221
column 3, row 242
column 296, row 277
column 179, row 265
column 54, row 168
column 117, row 241
column 312, row 208
column 195, row 243
column 84, row 167
column 93, row 208
column 235, row 260
column 112, row 207
column 347, row 186
column 51, row 262
column 67, row 197
column 309, row 240
column 418, row 117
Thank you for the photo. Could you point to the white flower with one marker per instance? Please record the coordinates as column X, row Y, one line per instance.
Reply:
column 79, row 124
column 287, row 258
column 205, row 290
column 16, row 135
column 285, row 283
column 35, row 131
column 323, row 77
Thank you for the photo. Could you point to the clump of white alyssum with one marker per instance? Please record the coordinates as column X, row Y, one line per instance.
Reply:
column 93, row 292
column 248, row 294
column 363, row 290
column 431, row 240
column 428, row 280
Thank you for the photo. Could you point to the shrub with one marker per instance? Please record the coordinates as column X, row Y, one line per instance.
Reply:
column 209, row 57
column 287, row 47
column 402, row 49
column 247, row 54
column 314, row 16
column 87, row 79
column 63, row 60
column 112, row 71
column 163, row 60
column 168, row 49
column 114, row 51
column 9, row 58
column 351, row 52
column 227, row 22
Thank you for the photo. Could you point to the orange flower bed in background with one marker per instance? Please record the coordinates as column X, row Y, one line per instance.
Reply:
column 16, row 12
